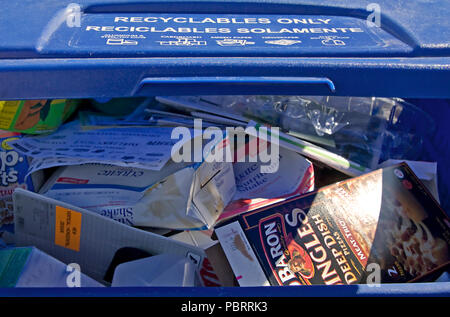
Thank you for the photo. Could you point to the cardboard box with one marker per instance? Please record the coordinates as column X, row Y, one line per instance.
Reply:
column 179, row 196
column 35, row 116
column 13, row 169
column 213, row 271
column 75, row 235
column 293, row 176
column 219, row 266
column 381, row 227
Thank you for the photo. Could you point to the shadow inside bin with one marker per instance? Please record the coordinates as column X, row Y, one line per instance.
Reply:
column 437, row 147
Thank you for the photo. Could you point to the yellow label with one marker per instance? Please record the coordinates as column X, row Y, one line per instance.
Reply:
column 67, row 228
column 8, row 113
column 5, row 144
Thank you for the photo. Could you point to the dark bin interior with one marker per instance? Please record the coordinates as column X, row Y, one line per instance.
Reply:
column 438, row 150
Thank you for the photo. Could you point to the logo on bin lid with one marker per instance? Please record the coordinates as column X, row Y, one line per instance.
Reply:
column 234, row 42
column 283, row 42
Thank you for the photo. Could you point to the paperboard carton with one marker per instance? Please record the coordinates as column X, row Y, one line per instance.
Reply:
column 75, row 235
column 13, row 169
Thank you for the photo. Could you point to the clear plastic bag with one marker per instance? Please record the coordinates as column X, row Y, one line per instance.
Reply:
column 364, row 130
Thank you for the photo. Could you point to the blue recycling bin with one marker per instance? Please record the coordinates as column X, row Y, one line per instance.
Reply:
column 116, row 48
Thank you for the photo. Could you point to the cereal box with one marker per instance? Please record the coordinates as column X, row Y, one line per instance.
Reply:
column 13, row 169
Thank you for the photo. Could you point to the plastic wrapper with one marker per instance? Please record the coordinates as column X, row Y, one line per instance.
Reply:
column 364, row 130
column 210, row 107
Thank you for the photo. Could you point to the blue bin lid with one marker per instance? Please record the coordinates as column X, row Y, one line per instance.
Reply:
column 117, row 48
